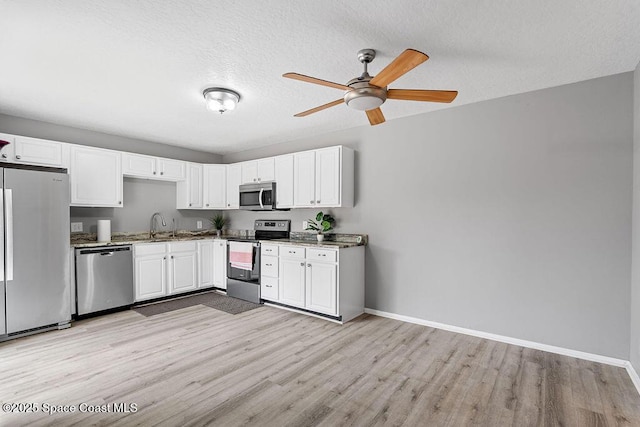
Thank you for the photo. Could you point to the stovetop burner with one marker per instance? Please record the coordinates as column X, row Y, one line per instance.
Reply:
column 267, row 229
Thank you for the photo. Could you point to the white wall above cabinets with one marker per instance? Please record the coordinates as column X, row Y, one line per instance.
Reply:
column 95, row 177
column 323, row 178
column 258, row 170
column 317, row 280
column 141, row 166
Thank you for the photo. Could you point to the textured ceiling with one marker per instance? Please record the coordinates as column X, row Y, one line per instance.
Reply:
column 138, row 68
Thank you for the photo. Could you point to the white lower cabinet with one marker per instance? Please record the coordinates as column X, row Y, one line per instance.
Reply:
column 205, row 263
column 164, row 269
column 183, row 267
column 319, row 280
column 220, row 264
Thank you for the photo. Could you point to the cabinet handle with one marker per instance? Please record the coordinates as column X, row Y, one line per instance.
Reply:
column 308, row 265
column 317, row 201
column 302, row 264
column 171, row 256
column 161, row 173
column 228, row 204
column 254, row 180
column 189, row 204
column 207, row 204
column 268, row 265
column 164, row 258
column 312, row 202
column 120, row 202
column 322, row 254
column 259, row 179
column 269, row 286
column 18, row 156
column 154, row 172
column 4, row 156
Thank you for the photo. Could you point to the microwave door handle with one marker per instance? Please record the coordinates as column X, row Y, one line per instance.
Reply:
column 260, row 197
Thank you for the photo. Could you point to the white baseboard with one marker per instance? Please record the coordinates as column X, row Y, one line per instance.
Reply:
column 515, row 341
column 633, row 375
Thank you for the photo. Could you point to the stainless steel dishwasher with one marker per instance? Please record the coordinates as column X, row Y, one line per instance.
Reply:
column 104, row 278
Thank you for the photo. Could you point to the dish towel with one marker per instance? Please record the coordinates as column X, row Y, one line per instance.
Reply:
column 241, row 255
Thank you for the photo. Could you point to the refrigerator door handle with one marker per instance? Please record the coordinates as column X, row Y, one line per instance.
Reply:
column 8, row 214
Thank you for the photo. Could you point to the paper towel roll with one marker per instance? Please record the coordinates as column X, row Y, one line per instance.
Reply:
column 104, row 230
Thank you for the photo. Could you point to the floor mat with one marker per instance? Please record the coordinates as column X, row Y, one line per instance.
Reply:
column 210, row 299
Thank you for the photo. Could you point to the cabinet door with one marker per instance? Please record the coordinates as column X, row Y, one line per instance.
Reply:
column 7, row 151
column 138, row 165
column 96, row 177
column 249, row 172
column 205, row 264
column 215, row 186
column 183, row 269
column 220, row 264
column 304, row 178
column 233, row 186
column 284, row 181
column 292, row 285
column 35, row 151
column 328, row 177
column 171, row 170
column 150, row 277
column 321, row 288
column 266, row 169
column 194, row 185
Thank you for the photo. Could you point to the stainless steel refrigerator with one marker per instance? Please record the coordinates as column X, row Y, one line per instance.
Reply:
column 34, row 255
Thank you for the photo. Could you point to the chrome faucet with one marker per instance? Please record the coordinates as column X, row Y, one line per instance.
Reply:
column 152, row 229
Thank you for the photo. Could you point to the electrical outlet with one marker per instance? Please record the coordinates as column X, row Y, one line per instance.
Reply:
column 76, row 227
column 305, row 224
column 199, row 225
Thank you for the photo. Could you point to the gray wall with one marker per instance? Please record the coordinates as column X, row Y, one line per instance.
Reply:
column 510, row 216
column 635, row 284
column 38, row 129
column 141, row 199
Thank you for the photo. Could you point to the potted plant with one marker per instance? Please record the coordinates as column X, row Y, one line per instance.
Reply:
column 322, row 224
column 218, row 222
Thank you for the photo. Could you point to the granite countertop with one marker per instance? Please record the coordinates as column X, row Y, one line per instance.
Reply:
column 332, row 241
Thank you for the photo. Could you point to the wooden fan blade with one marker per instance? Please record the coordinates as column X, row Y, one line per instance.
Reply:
column 422, row 95
column 405, row 62
column 320, row 108
column 375, row 116
column 303, row 78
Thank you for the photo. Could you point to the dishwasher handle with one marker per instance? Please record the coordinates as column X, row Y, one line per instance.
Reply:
column 108, row 251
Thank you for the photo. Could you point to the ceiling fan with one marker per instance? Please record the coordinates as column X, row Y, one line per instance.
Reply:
column 367, row 93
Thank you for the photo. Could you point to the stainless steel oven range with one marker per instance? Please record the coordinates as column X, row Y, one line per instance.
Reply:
column 243, row 258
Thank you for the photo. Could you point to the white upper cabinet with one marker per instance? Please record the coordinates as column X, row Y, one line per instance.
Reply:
column 171, row 170
column 258, row 170
column 215, row 186
column 189, row 191
column 141, row 166
column 234, row 177
column 284, row 181
column 96, row 177
column 304, row 178
column 35, row 151
column 323, row 178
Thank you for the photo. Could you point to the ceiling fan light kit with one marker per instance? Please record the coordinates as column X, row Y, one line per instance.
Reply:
column 367, row 93
column 220, row 99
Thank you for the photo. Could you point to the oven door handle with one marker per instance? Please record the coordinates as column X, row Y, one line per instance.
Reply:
column 260, row 197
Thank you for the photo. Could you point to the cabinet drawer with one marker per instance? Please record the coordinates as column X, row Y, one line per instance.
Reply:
column 269, row 288
column 183, row 247
column 269, row 266
column 149, row 249
column 326, row 255
column 270, row 250
column 292, row 252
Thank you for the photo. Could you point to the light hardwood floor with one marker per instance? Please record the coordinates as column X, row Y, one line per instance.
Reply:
column 270, row 367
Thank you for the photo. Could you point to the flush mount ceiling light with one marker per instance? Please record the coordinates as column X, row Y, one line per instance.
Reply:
column 220, row 100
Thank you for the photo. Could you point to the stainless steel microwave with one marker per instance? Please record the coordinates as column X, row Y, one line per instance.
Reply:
column 260, row 196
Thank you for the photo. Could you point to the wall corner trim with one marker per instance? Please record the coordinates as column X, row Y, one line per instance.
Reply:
column 515, row 341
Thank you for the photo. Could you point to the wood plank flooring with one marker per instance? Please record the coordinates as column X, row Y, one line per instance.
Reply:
column 270, row 367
